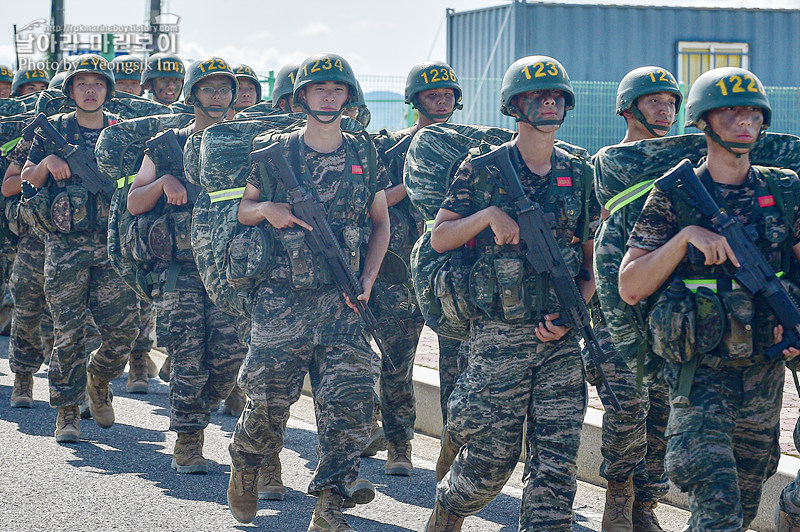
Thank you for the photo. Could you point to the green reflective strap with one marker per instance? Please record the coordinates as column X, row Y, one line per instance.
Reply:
column 227, row 194
column 6, row 148
column 127, row 180
column 711, row 284
column 628, row 195
column 429, row 225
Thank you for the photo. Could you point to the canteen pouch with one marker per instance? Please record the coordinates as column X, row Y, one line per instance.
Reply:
column 710, row 320
column 672, row 322
column 451, row 288
column 133, row 242
column 248, row 255
column 69, row 211
column 738, row 337
column 510, row 274
column 159, row 239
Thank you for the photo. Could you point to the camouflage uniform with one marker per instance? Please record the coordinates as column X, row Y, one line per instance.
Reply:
column 297, row 330
column 724, row 445
column 633, row 442
column 79, row 279
column 789, row 502
column 398, row 406
column 31, row 324
column 510, row 374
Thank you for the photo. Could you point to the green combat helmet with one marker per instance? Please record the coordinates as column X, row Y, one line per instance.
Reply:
column 360, row 105
column 532, row 73
column 57, row 81
column 6, row 74
column 432, row 75
column 646, row 80
column 726, row 87
column 28, row 75
column 214, row 66
column 93, row 64
column 284, row 85
column 245, row 72
column 319, row 69
column 162, row 65
column 127, row 67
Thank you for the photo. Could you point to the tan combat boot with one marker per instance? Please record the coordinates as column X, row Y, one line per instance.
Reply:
column 377, row 440
column 443, row 521
column 786, row 521
column 328, row 515
column 399, row 461
column 619, row 506
column 100, row 398
column 242, row 495
column 137, row 373
column 447, row 454
column 270, row 485
column 188, row 454
column 166, row 367
column 234, row 403
column 152, row 369
column 22, row 394
column 644, row 517
column 68, row 424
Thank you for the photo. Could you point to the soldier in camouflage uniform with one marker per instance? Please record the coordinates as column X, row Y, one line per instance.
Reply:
column 284, row 88
column 202, row 340
column 31, row 325
column 726, row 394
column 6, row 78
column 163, row 77
column 78, row 275
column 633, row 442
column 249, row 88
column 29, row 80
column 128, row 74
column 301, row 321
column 521, row 364
column 433, row 89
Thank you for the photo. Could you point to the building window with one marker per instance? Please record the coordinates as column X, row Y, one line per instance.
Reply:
column 694, row 58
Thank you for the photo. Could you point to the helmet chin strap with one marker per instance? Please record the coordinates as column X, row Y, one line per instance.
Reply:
column 703, row 126
column 522, row 117
column 434, row 117
column 653, row 129
column 324, row 117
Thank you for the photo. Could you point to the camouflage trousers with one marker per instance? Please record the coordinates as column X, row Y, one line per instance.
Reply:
column 79, row 279
column 397, row 401
column 633, row 441
column 723, row 447
column 205, row 348
column 452, row 361
column 294, row 332
column 143, row 342
column 789, row 501
column 511, row 375
column 31, row 324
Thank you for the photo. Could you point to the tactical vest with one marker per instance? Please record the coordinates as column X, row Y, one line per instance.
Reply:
column 502, row 284
column 67, row 206
column 347, row 212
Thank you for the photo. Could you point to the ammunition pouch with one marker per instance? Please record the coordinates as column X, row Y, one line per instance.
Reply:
column 169, row 237
column 451, row 288
column 738, row 336
column 353, row 238
column 71, row 210
column 710, row 320
column 133, row 242
column 248, row 256
column 307, row 271
column 672, row 321
column 510, row 274
column 37, row 208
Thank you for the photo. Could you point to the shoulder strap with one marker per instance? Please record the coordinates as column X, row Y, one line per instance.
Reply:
column 783, row 188
column 629, row 195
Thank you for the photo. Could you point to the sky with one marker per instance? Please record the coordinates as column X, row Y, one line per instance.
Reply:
column 377, row 37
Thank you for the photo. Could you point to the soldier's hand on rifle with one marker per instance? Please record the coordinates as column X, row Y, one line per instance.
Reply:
column 280, row 215
column 173, row 190
column 713, row 246
column 366, row 287
column 57, row 167
column 547, row 331
column 788, row 353
column 505, row 229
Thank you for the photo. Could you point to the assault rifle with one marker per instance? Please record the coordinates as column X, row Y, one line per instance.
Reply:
column 81, row 163
column 321, row 240
column 167, row 155
column 754, row 272
column 543, row 253
column 399, row 150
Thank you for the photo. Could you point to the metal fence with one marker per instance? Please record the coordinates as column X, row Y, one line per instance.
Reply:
column 592, row 124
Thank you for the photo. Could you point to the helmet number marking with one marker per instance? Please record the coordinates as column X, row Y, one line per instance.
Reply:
column 736, row 83
column 438, row 74
column 323, row 64
column 4, row 71
column 541, row 70
column 213, row 64
column 663, row 77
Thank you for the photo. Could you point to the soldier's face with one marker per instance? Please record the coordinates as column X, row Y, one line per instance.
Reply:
column 131, row 86
column 438, row 102
column 325, row 96
column 166, row 90
column 33, row 86
column 89, row 91
column 736, row 124
column 5, row 89
column 247, row 94
column 542, row 105
column 658, row 109
column 215, row 92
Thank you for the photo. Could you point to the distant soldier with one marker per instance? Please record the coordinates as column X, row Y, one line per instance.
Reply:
column 78, row 274
column 301, row 320
column 723, row 435
column 433, row 89
column 29, row 80
column 521, row 365
column 201, row 339
column 128, row 71
column 6, row 79
column 249, row 88
column 284, row 88
column 163, row 77
column 633, row 442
